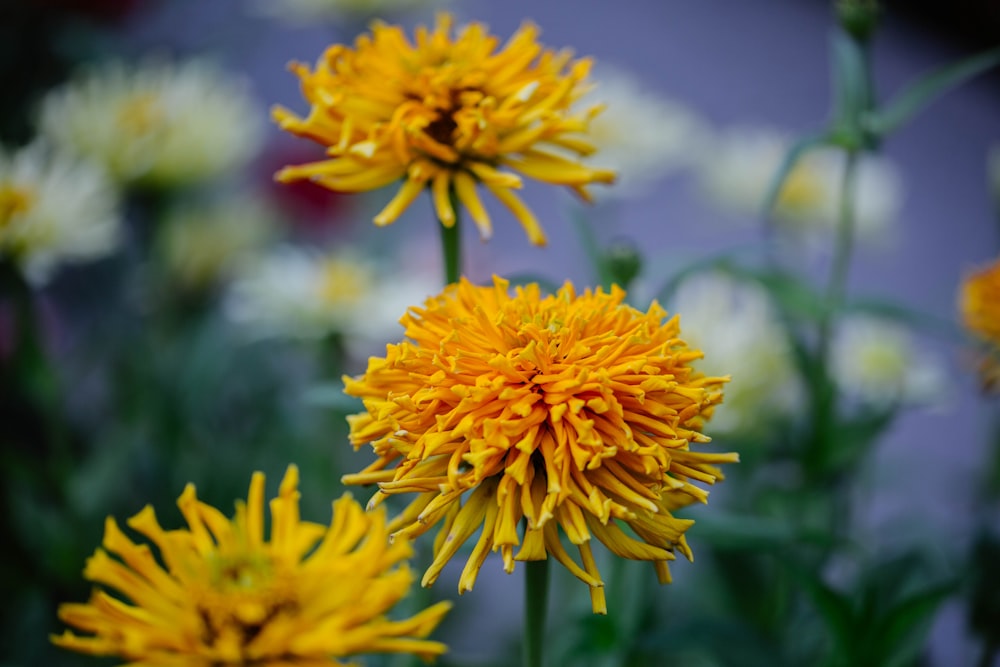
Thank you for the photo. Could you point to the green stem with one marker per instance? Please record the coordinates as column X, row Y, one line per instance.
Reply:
column 451, row 245
column 536, row 591
column 836, row 289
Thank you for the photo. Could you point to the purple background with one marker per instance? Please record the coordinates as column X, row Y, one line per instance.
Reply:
column 735, row 62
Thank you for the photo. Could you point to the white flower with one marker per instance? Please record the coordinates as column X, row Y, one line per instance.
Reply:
column 875, row 361
column 202, row 244
column 306, row 294
column 156, row 123
column 738, row 170
column 305, row 12
column 737, row 328
column 641, row 135
column 54, row 208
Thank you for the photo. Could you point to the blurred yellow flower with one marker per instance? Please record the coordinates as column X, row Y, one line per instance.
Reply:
column 979, row 303
column 979, row 306
column 571, row 411
column 204, row 243
column 226, row 596
column 447, row 114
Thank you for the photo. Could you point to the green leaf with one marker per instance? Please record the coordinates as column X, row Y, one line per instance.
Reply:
column 855, row 437
column 834, row 607
column 917, row 319
column 919, row 94
column 902, row 631
column 793, row 295
column 733, row 531
column 725, row 260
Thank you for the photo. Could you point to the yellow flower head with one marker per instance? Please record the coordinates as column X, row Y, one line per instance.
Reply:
column 979, row 303
column 225, row 596
column 445, row 113
column 571, row 411
column 979, row 306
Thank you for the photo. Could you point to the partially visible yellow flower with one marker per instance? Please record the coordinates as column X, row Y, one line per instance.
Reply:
column 446, row 114
column 979, row 306
column 226, row 596
column 524, row 414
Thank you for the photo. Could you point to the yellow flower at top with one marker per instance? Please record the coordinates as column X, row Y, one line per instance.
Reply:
column 979, row 306
column 226, row 596
column 523, row 414
column 446, row 114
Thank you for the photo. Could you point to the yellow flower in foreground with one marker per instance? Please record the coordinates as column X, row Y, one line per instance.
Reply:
column 979, row 306
column 225, row 596
column 566, row 411
column 446, row 114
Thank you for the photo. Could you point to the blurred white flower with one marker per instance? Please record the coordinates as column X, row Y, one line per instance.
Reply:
column 641, row 135
column 156, row 123
column 305, row 12
column 204, row 243
column 54, row 208
column 875, row 360
column 737, row 172
column 736, row 326
column 305, row 294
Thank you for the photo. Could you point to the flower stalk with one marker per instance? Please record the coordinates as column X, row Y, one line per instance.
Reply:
column 451, row 246
column 836, row 289
column 536, row 596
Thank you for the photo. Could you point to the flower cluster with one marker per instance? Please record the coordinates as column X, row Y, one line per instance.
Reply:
column 567, row 411
column 155, row 123
column 225, row 595
column 299, row 293
column 446, row 114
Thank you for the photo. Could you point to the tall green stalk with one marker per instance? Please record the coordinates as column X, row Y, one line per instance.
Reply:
column 536, row 593
column 451, row 246
column 836, row 290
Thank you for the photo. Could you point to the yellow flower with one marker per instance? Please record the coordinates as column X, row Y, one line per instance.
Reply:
column 566, row 411
column 979, row 303
column 446, row 114
column 979, row 306
column 226, row 596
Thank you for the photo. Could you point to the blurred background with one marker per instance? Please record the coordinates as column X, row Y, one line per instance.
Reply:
column 201, row 333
